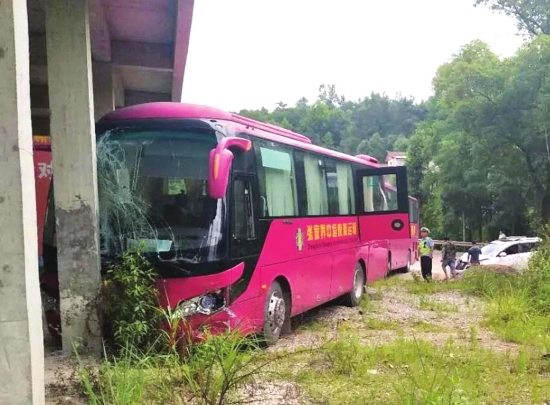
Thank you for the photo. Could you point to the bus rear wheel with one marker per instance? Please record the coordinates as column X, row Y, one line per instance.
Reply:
column 353, row 298
column 409, row 260
column 275, row 314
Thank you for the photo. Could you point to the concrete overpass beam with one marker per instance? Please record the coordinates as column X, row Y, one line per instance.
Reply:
column 74, row 165
column 21, row 339
column 104, row 93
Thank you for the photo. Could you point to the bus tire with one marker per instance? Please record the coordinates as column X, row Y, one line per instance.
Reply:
column 409, row 260
column 275, row 314
column 353, row 298
column 388, row 265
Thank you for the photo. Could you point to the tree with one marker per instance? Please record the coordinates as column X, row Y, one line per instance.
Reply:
column 532, row 16
column 349, row 122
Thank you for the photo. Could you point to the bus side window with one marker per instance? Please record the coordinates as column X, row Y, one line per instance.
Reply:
column 277, row 180
column 243, row 210
column 368, row 194
column 331, row 179
column 316, row 185
column 340, row 189
column 375, row 199
column 413, row 210
column 391, row 191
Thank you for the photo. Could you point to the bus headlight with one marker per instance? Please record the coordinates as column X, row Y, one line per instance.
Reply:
column 206, row 304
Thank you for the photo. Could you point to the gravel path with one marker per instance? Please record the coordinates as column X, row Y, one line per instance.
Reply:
column 392, row 313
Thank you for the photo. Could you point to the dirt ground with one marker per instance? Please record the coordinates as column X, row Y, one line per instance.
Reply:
column 435, row 318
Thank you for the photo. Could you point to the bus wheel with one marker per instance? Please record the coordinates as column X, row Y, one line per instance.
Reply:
column 353, row 298
column 274, row 314
column 388, row 265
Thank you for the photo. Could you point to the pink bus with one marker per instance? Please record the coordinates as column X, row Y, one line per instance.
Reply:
column 246, row 223
column 414, row 219
column 42, row 153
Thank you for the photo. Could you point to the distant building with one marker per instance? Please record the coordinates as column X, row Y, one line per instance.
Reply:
column 394, row 158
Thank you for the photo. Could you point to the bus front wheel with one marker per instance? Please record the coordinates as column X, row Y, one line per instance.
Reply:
column 353, row 298
column 275, row 313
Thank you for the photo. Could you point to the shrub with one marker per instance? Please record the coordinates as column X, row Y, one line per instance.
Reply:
column 131, row 301
column 537, row 277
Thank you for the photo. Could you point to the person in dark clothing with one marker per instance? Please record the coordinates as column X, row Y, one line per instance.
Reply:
column 425, row 250
column 473, row 254
column 448, row 257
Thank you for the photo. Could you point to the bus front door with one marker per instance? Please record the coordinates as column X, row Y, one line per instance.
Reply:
column 383, row 211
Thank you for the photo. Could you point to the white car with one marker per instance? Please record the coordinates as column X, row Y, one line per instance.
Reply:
column 513, row 251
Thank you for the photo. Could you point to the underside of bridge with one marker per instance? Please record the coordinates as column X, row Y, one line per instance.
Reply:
column 138, row 50
column 64, row 64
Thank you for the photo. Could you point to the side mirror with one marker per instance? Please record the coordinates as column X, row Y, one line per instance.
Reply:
column 219, row 164
column 502, row 254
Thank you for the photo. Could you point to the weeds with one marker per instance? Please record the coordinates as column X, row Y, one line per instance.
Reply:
column 131, row 302
column 411, row 371
column 210, row 374
column 518, row 304
column 428, row 304
column 420, row 287
column 421, row 326
column 377, row 324
column 405, row 371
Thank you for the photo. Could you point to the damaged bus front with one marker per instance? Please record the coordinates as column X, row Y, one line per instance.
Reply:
column 162, row 189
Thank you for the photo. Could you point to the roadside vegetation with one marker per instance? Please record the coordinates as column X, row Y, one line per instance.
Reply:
column 484, row 339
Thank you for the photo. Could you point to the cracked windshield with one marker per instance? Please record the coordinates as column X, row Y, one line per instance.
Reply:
column 153, row 194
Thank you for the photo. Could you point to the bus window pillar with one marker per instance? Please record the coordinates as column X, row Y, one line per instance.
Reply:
column 75, row 172
column 21, row 337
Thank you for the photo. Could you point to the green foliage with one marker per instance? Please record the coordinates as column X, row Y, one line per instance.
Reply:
column 413, row 371
column 131, row 301
column 216, row 367
column 373, row 125
column 519, row 304
column 210, row 373
column 538, row 278
column 483, row 154
column 532, row 17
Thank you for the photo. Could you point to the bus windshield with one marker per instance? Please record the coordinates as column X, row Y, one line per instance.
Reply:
column 153, row 194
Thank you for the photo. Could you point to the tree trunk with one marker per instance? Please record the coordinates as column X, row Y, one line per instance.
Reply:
column 545, row 208
column 463, row 227
column 480, row 229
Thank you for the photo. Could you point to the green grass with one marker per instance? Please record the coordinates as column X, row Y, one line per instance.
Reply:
column 377, row 324
column 513, row 309
column 422, row 326
column 417, row 372
column 209, row 372
column 429, row 304
column 421, row 287
column 406, row 370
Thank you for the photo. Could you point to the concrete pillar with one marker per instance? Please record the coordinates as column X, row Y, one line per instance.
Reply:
column 21, row 338
column 74, row 168
column 104, row 94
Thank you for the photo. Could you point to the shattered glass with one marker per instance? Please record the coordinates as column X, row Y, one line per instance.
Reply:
column 153, row 194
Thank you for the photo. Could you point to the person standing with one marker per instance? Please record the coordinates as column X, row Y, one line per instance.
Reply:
column 448, row 258
column 501, row 235
column 473, row 254
column 425, row 250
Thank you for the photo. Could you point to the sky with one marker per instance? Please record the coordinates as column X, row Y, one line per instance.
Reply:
column 255, row 53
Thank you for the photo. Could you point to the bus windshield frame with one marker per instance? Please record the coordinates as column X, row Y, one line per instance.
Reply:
column 152, row 189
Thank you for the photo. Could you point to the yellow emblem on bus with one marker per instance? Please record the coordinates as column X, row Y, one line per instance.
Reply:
column 299, row 239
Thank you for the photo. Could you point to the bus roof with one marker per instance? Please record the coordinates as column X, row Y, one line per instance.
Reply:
column 173, row 110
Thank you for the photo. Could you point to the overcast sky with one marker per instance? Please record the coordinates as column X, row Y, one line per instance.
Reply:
column 255, row 53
